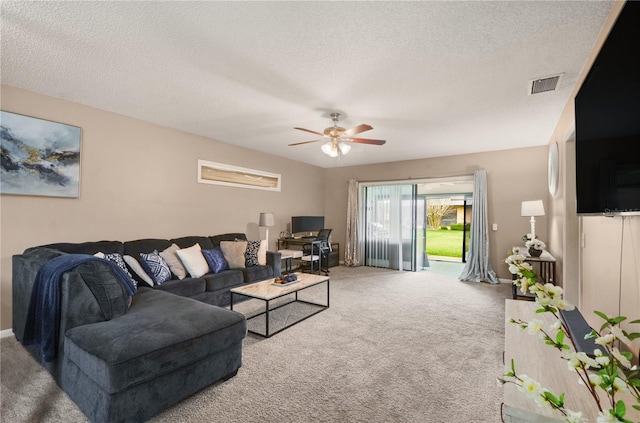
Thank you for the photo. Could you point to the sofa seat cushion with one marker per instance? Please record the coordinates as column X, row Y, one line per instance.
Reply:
column 159, row 334
column 257, row 273
column 224, row 279
column 187, row 287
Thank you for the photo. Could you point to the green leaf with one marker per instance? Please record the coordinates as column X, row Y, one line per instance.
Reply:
column 552, row 399
column 627, row 354
column 617, row 320
column 635, row 382
column 601, row 314
column 621, row 409
column 560, row 337
column 633, row 336
column 637, row 407
column 635, row 321
column 591, row 335
column 513, row 367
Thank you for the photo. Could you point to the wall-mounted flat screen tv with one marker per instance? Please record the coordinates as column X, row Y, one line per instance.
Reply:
column 306, row 224
column 608, row 124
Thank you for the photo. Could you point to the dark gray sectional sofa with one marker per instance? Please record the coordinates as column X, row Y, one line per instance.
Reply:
column 126, row 363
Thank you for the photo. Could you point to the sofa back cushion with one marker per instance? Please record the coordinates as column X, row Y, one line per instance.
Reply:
column 190, row 241
column 134, row 248
column 87, row 247
column 227, row 237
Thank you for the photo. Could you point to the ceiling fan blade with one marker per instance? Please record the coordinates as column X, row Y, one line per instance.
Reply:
column 305, row 142
column 360, row 128
column 309, row 130
column 367, row 141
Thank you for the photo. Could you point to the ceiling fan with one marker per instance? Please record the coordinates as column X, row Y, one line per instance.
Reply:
column 340, row 137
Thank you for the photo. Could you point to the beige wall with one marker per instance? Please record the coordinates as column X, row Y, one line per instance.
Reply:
column 140, row 180
column 513, row 176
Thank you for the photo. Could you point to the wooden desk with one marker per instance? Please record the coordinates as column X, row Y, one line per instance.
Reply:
column 544, row 364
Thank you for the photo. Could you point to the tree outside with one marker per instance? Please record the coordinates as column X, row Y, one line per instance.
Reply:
column 437, row 208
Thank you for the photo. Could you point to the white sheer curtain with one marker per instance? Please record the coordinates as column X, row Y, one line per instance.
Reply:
column 351, row 255
column 386, row 208
column 478, row 267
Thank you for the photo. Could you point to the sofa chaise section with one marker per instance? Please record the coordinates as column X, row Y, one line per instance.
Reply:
column 162, row 350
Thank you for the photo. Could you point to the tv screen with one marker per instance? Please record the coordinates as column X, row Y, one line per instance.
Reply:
column 608, row 176
column 607, row 109
column 306, row 224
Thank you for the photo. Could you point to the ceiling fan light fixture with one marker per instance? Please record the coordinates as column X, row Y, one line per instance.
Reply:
column 344, row 148
column 330, row 149
column 340, row 138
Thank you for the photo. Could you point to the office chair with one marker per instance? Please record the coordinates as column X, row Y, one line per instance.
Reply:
column 318, row 251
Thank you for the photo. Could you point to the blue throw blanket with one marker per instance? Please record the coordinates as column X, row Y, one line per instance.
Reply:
column 43, row 317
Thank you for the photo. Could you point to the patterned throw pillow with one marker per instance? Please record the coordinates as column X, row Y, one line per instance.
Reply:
column 252, row 253
column 117, row 259
column 215, row 259
column 156, row 267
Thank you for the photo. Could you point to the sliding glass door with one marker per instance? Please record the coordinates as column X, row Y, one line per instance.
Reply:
column 402, row 224
column 390, row 226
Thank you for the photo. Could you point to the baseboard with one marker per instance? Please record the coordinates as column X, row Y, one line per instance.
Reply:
column 502, row 280
column 6, row 333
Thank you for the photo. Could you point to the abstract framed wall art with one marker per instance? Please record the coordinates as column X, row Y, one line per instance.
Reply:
column 38, row 157
column 234, row 176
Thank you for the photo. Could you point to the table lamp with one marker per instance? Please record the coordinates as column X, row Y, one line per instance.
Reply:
column 266, row 220
column 532, row 208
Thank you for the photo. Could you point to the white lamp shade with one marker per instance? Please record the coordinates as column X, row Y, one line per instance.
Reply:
column 532, row 208
column 266, row 219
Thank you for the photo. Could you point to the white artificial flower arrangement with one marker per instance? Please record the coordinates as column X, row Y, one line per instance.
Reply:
column 536, row 244
column 609, row 371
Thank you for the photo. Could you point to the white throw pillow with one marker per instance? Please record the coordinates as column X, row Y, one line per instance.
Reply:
column 193, row 261
column 169, row 255
column 138, row 270
column 262, row 253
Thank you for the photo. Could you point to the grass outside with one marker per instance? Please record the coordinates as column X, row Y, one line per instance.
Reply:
column 443, row 242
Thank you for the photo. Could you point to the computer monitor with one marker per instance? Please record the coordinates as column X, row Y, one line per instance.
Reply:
column 306, row 225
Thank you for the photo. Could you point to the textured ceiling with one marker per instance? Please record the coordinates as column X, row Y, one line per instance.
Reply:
column 432, row 78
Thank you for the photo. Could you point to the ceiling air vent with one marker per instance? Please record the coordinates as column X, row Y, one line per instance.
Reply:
column 542, row 85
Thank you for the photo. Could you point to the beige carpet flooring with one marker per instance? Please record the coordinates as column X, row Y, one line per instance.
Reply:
column 393, row 347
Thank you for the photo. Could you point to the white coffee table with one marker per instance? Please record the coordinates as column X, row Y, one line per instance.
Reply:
column 268, row 292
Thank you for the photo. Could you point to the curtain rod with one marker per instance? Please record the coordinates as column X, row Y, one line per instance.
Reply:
column 414, row 180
